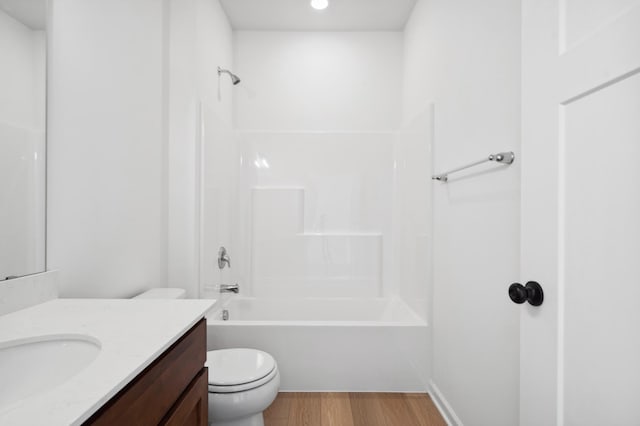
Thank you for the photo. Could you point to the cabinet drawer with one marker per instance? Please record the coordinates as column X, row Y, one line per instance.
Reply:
column 150, row 396
column 191, row 409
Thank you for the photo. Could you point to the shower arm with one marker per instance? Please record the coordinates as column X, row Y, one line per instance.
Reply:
column 234, row 78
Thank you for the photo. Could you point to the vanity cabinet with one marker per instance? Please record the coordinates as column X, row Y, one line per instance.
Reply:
column 171, row 391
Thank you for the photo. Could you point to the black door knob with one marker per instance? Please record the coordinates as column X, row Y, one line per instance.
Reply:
column 530, row 292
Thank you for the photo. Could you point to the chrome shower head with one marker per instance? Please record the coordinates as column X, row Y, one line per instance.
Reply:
column 234, row 78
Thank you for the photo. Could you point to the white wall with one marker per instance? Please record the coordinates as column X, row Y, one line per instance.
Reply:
column 22, row 142
column 127, row 82
column 201, row 162
column 464, row 56
column 318, row 81
column 106, row 159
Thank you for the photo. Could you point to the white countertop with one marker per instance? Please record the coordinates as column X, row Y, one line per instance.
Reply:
column 132, row 333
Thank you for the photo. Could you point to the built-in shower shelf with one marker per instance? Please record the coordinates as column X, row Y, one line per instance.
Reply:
column 288, row 258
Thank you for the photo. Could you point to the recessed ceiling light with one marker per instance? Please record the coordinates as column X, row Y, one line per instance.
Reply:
column 319, row 4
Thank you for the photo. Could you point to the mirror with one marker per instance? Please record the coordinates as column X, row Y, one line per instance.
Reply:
column 22, row 137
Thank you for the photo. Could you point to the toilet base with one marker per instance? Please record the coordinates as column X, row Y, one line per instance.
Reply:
column 254, row 420
column 243, row 408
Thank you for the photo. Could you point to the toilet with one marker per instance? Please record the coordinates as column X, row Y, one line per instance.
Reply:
column 242, row 382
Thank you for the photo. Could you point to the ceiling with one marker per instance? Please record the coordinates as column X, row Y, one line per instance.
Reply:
column 32, row 13
column 298, row 15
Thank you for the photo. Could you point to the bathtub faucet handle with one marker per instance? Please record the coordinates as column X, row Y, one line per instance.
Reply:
column 223, row 258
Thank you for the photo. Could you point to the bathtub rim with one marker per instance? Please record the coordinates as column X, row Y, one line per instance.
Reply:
column 415, row 321
column 299, row 323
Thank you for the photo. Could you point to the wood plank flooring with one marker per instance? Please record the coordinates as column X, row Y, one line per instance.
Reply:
column 352, row 409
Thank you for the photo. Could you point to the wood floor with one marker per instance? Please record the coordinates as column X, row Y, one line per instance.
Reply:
column 352, row 409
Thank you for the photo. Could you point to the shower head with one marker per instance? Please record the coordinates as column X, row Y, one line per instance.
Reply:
column 234, row 78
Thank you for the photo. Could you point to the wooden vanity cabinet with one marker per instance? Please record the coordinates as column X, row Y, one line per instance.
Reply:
column 171, row 391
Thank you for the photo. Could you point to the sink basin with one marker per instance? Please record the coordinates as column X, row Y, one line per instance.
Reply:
column 31, row 366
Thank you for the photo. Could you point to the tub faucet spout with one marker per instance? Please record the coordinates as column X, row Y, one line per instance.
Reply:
column 229, row 288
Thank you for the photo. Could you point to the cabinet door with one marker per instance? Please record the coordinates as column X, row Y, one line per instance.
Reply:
column 151, row 395
column 192, row 407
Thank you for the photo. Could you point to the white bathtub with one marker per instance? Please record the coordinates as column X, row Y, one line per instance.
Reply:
column 364, row 345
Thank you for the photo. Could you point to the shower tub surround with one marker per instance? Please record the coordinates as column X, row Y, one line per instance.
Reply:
column 330, row 344
column 312, row 245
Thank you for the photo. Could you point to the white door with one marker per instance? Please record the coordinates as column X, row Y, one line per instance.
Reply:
column 580, row 350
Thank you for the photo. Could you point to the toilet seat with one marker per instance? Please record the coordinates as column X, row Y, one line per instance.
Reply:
column 245, row 386
column 237, row 370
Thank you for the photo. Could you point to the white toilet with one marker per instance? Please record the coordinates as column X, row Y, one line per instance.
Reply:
column 242, row 382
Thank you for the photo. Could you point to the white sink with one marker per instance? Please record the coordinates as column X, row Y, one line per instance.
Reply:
column 35, row 365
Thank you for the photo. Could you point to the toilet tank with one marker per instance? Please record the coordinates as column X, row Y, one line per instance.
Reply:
column 162, row 293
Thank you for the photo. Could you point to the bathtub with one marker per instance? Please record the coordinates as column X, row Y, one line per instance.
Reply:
column 341, row 345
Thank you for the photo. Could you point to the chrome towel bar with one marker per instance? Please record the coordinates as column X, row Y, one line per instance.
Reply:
column 502, row 157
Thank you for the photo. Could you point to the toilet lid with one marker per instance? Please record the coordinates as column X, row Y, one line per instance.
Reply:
column 230, row 367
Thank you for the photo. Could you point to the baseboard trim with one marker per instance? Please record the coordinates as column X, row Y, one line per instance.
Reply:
column 443, row 406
